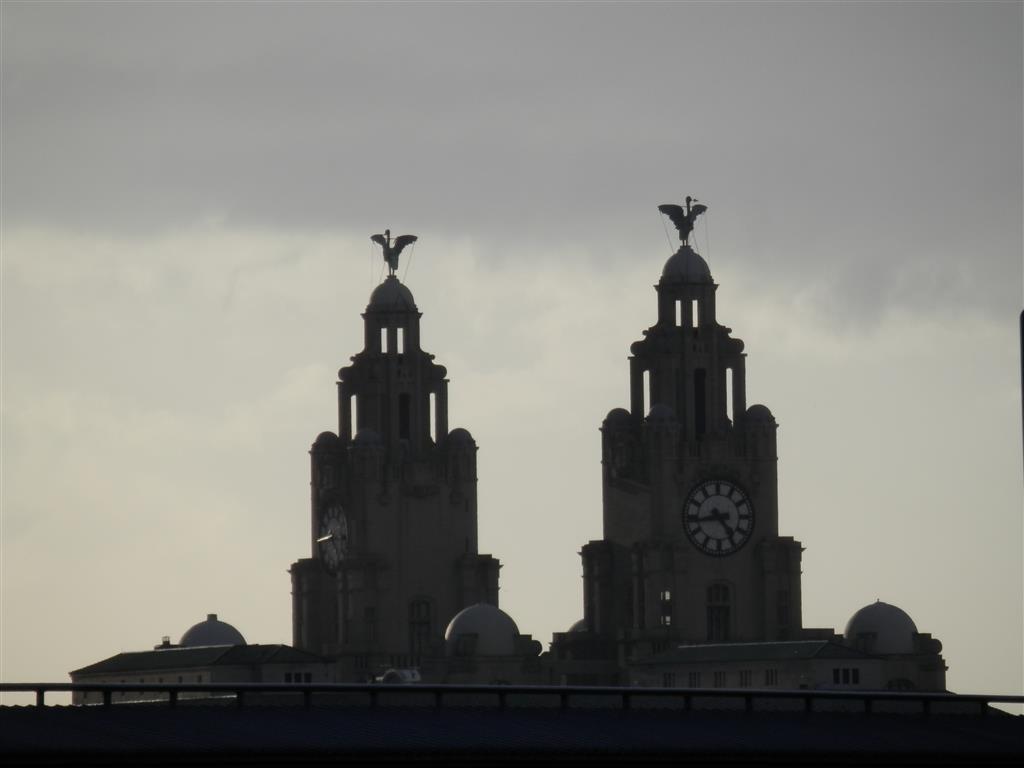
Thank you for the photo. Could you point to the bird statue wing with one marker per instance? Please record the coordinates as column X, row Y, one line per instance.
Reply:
column 380, row 240
column 677, row 214
column 403, row 240
column 697, row 210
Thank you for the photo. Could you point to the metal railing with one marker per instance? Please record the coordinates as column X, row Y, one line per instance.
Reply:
column 686, row 697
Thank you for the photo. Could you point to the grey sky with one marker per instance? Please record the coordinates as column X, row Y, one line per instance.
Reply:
column 187, row 193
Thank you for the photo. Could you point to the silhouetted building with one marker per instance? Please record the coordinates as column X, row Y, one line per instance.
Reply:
column 394, row 511
column 212, row 651
column 691, row 584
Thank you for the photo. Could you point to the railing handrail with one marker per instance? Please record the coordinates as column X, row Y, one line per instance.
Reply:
column 564, row 692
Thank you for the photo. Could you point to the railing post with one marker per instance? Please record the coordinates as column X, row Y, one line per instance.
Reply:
column 748, row 703
column 808, row 703
column 172, row 698
column 240, row 699
column 626, row 702
column 868, row 705
column 687, row 702
column 106, row 697
column 40, row 697
column 307, row 698
column 563, row 700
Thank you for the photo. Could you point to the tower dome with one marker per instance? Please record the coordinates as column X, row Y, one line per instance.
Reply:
column 391, row 296
column 686, row 266
column 881, row 628
column 211, row 632
column 481, row 630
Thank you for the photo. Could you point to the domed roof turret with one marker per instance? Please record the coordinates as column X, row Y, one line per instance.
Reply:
column 326, row 438
column 391, row 296
column 490, row 630
column 579, row 626
column 759, row 412
column 212, row 632
column 459, row 435
column 617, row 417
column 686, row 266
column 881, row 628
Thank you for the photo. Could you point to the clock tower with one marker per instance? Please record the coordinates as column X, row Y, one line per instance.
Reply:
column 691, row 551
column 393, row 527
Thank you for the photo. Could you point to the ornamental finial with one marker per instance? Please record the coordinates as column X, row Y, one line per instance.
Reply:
column 392, row 249
column 683, row 219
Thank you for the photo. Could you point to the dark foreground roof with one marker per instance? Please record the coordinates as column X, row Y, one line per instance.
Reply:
column 225, row 735
column 202, row 656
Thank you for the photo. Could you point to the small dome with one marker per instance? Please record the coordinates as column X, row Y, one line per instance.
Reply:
column 686, row 266
column 759, row 413
column 459, row 435
column 579, row 626
column 366, row 436
column 481, row 630
column 660, row 412
column 617, row 417
column 881, row 628
column 391, row 296
column 326, row 438
column 212, row 632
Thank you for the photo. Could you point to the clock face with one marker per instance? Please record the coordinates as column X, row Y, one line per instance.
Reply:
column 718, row 517
column 333, row 539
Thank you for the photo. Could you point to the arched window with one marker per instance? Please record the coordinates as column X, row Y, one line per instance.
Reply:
column 719, row 610
column 419, row 627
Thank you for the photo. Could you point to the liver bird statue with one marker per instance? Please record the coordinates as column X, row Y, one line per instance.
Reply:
column 683, row 219
column 392, row 249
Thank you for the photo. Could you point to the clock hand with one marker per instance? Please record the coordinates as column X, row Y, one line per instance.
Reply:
column 328, row 537
column 722, row 519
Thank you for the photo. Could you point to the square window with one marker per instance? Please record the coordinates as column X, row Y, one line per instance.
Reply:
column 856, row 676
column 835, row 676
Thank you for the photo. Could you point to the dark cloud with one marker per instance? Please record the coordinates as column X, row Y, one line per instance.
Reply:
column 868, row 135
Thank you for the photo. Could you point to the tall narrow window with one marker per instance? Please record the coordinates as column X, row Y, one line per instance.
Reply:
column 719, row 604
column 700, row 416
column 419, row 628
column 353, row 405
column 728, row 393
column 695, row 314
column 679, row 312
column 433, row 416
column 383, row 339
column 403, row 416
column 401, row 341
column 648, row 395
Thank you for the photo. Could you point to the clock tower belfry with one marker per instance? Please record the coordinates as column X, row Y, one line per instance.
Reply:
column 691, row 551
column 393, row 506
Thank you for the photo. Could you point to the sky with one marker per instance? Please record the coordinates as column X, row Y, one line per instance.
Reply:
column 187, row 192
